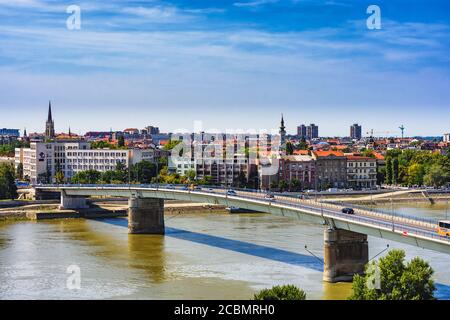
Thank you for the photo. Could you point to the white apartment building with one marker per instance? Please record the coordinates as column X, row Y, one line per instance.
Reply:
column 361, row 172
column 43, row 159
column 446, row 137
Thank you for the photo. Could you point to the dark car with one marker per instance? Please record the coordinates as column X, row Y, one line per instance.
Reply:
column 348, row 211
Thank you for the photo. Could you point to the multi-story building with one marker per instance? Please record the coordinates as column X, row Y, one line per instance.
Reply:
column 361, row 172
column 301, row 131
column 446, row 137
column 298, row 167
column 330, row 170
column 356, row 131
column 43, row 160
column 10, row 132
column 312, row 131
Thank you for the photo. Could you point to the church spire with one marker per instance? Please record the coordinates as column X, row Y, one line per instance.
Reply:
column 49, row 125
column 282, row 131
column 49, row 111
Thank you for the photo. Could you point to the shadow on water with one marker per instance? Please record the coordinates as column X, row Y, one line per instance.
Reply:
column 293, row 258
column 237, row 246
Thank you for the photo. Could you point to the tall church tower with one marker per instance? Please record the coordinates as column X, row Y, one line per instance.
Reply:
column 282, row 131
column 49, row 125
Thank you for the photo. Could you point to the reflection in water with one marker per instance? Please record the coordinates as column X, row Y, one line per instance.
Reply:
column 147, row 252
column 336, row 291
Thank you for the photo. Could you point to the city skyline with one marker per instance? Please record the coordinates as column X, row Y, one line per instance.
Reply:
column 228, row 64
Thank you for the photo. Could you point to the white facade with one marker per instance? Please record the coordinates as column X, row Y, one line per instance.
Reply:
column 361, row 172
column 446, row 137
column 71, row 157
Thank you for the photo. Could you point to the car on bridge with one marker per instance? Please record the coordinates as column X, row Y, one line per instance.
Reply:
column 269, row 197
column 348, row 210
column 231, row 193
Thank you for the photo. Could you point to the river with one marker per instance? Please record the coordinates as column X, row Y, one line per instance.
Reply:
column 202, row 256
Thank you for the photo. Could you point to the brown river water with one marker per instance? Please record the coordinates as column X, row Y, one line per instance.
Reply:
column 202, row 256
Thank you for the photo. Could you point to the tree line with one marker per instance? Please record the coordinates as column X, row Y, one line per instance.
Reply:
column 8, row 188
column 417, row 168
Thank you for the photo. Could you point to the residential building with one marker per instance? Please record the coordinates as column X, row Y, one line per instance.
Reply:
column 43, row 160
column 312, row 131
column 10, row 132
column 361, row 172
column 446, row 137
column 356, row 131
column 330, row 169
column 301, row 131
column 298, row 167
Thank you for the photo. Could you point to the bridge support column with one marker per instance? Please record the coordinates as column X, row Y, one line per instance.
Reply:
column 72, row 202
column 345, row 254
column 146, row 216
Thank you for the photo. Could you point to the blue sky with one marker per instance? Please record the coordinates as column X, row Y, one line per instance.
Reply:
column 230, row 64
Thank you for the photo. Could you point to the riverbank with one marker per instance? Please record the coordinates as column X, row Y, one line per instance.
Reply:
column 43, row 210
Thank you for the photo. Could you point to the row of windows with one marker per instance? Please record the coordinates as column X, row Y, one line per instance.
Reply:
column 371, row 164
column 97, row 154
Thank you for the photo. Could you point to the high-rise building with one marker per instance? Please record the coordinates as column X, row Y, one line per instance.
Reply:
column 301, row 131
column 356, row 131
column 49, row 125
column 312, row 131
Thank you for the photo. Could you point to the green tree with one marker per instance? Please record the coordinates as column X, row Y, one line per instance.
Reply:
column 8, row 188
column 368, row 153
column 190, row 175
column 102, row 145
column 19, row 171
column 285, row 292
column 416, row 172
column 143, row 172
column 282, row 185
column 437, row 176
column 171, row 144
column 289, row 148
column 388, row 178
column 397, row 280
column 395, row 170
column 303, row 145
column 59, row 176
column 86, row 177
column 121, row 141
column 294, row 185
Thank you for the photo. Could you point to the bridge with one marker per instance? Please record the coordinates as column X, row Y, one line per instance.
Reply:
column 345, row 235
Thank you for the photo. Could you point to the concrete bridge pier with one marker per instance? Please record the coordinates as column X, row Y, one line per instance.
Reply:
column 146, row 216
column 72, row 202
column 345, row 254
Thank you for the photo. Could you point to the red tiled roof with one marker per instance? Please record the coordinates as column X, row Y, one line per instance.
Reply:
column 353, row 157
column 301, row 152
column 378, row 156
column 328, row 153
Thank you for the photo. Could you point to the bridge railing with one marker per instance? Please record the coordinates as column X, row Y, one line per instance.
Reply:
column 321, row 208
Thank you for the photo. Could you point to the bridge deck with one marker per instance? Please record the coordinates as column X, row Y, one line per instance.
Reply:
column 409, row 230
